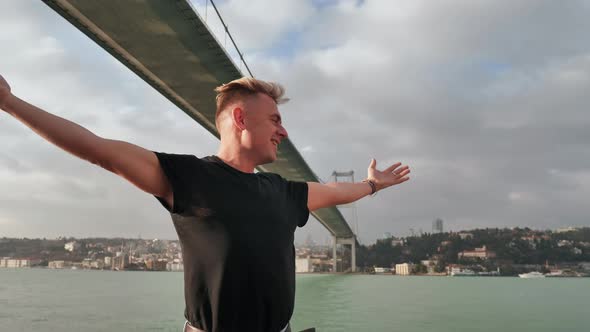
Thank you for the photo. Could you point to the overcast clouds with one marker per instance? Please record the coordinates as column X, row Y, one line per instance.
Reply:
column 485, row 100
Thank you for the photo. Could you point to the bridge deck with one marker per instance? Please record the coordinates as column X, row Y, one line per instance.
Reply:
column 169, row 46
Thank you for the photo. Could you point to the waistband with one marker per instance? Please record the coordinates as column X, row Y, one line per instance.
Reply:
column 189, row 328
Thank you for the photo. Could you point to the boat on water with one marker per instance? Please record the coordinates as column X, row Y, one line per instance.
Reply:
column 531, row 275
column 462, row 273
column 556, row 274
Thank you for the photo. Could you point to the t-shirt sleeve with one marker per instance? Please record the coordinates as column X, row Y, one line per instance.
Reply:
column 178, row 169
column 297, row 193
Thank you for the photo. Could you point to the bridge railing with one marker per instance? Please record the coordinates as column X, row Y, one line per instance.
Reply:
column 209, row 13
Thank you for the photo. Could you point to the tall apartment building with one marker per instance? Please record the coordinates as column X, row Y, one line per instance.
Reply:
column 437, row 226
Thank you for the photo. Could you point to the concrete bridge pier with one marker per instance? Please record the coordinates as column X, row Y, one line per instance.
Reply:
column 347, row 241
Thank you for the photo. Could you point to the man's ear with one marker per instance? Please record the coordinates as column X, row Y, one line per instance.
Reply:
column 237, row 115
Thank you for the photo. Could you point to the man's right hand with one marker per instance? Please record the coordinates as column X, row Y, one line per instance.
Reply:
column 4, row 91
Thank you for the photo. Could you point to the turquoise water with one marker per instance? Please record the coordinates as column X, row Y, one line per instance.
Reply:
column 67, row 300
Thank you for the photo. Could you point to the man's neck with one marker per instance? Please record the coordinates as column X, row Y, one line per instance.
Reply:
column 236, row 159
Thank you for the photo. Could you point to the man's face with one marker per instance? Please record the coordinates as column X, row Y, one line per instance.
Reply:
column 264, row 130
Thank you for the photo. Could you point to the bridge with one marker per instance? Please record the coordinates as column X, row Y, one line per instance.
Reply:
column 171, row 47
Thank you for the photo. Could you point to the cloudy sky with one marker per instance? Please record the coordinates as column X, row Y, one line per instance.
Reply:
column 486, row 100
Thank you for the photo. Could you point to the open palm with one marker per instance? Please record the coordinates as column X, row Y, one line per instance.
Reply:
column 392, row 175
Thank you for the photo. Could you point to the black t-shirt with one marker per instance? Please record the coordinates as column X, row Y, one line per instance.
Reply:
column 236, row 232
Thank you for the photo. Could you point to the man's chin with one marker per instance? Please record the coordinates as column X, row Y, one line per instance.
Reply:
column 269, row 159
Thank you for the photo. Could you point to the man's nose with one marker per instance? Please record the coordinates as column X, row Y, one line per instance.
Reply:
column 283, row 132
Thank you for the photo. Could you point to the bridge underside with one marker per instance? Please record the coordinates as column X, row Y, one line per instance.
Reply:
column 169, row 46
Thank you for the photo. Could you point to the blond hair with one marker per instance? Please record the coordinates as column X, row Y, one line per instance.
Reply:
column 245, row 87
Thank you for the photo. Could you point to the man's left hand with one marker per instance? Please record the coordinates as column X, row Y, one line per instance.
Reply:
column 392, row 175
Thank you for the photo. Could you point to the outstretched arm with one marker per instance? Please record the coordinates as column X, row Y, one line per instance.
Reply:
column 337, row 193
column 138, row 165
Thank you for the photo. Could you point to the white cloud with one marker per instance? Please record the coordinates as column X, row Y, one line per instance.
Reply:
column 521, row 196
column 308, row 149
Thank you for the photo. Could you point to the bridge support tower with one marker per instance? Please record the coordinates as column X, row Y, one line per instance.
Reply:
column 346, row 241
column 346, row 177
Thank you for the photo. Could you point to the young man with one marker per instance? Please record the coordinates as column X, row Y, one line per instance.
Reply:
column 235, row 226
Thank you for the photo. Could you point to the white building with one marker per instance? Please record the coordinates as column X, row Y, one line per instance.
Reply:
column 430, row 265
column 175, row 266
column 397, row 242
column 97, row 265
column 464, row 235
column 382, row 269
column 57, row 264
column 72, row 246
column 482, row 252
column 303, row 265
column 86, row 263
column 8, row 262
column 566, row 229
column 404, row 269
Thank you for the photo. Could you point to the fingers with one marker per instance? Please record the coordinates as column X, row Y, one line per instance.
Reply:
column 405, row 171
column 392, row 168
column 373, row 163
column 401, row 177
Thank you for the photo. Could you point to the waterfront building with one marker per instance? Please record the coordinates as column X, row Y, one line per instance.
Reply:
column 8, row 262
column 303, row 265
column 430, row 265
column 108, row 261
column 4, row 261
column 120, row 261
column 57, row 264
column 86, row 263
column 97, row 265
column 382, row 269
column 403, row 269
column 175, row 266
column 156, row 264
